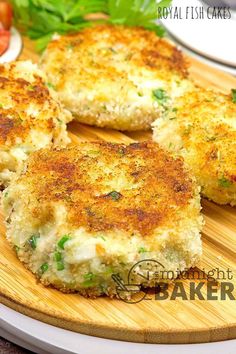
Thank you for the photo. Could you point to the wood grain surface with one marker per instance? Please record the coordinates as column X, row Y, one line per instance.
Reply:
column 151, row 321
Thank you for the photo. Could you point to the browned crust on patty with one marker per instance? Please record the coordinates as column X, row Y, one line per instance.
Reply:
column 15, row 122
column 156, row 187
column 210, row 116
column 107, row 75
column 145, row 49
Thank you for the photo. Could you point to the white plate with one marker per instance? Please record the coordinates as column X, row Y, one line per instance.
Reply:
column 214, row 38
column 14, row 48
column 210, row 62
column 43, row 339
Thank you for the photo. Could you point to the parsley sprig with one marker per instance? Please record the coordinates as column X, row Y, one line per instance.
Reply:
column 137, row 13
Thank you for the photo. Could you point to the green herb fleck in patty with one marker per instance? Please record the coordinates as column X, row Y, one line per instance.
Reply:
column 89, row 276
column 224, row 182
column 60, row 266
column 50, row 85
column 142, row 250
column 62, row 241
column 33, row 241
column 160, row 96
column 57, row 256
column 43, row 268
column 114, row 195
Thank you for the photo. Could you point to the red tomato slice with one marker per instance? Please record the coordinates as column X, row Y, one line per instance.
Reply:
column 6, row 14
column 4, row 40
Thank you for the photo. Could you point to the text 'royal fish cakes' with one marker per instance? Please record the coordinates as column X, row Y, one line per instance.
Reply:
column 76, row 216
column 30, row 118
column 114, row 76
column 202, row 129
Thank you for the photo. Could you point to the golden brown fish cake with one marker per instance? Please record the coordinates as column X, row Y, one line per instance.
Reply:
column 114, row 76
column 202, row 129
column 30, row 117
column 78, row 215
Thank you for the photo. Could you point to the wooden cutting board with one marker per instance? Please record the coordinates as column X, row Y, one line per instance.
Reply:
column 150, row 321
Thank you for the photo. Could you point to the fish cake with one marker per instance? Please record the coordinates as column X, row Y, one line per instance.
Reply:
column 77, row 216
column 202, row 129
column 114, row 76
column 30, row 116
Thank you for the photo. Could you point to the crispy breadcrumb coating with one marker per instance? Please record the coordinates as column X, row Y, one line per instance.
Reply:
column 78, row 215
column 202, row 129
column 114, row 76
column 30, row 116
